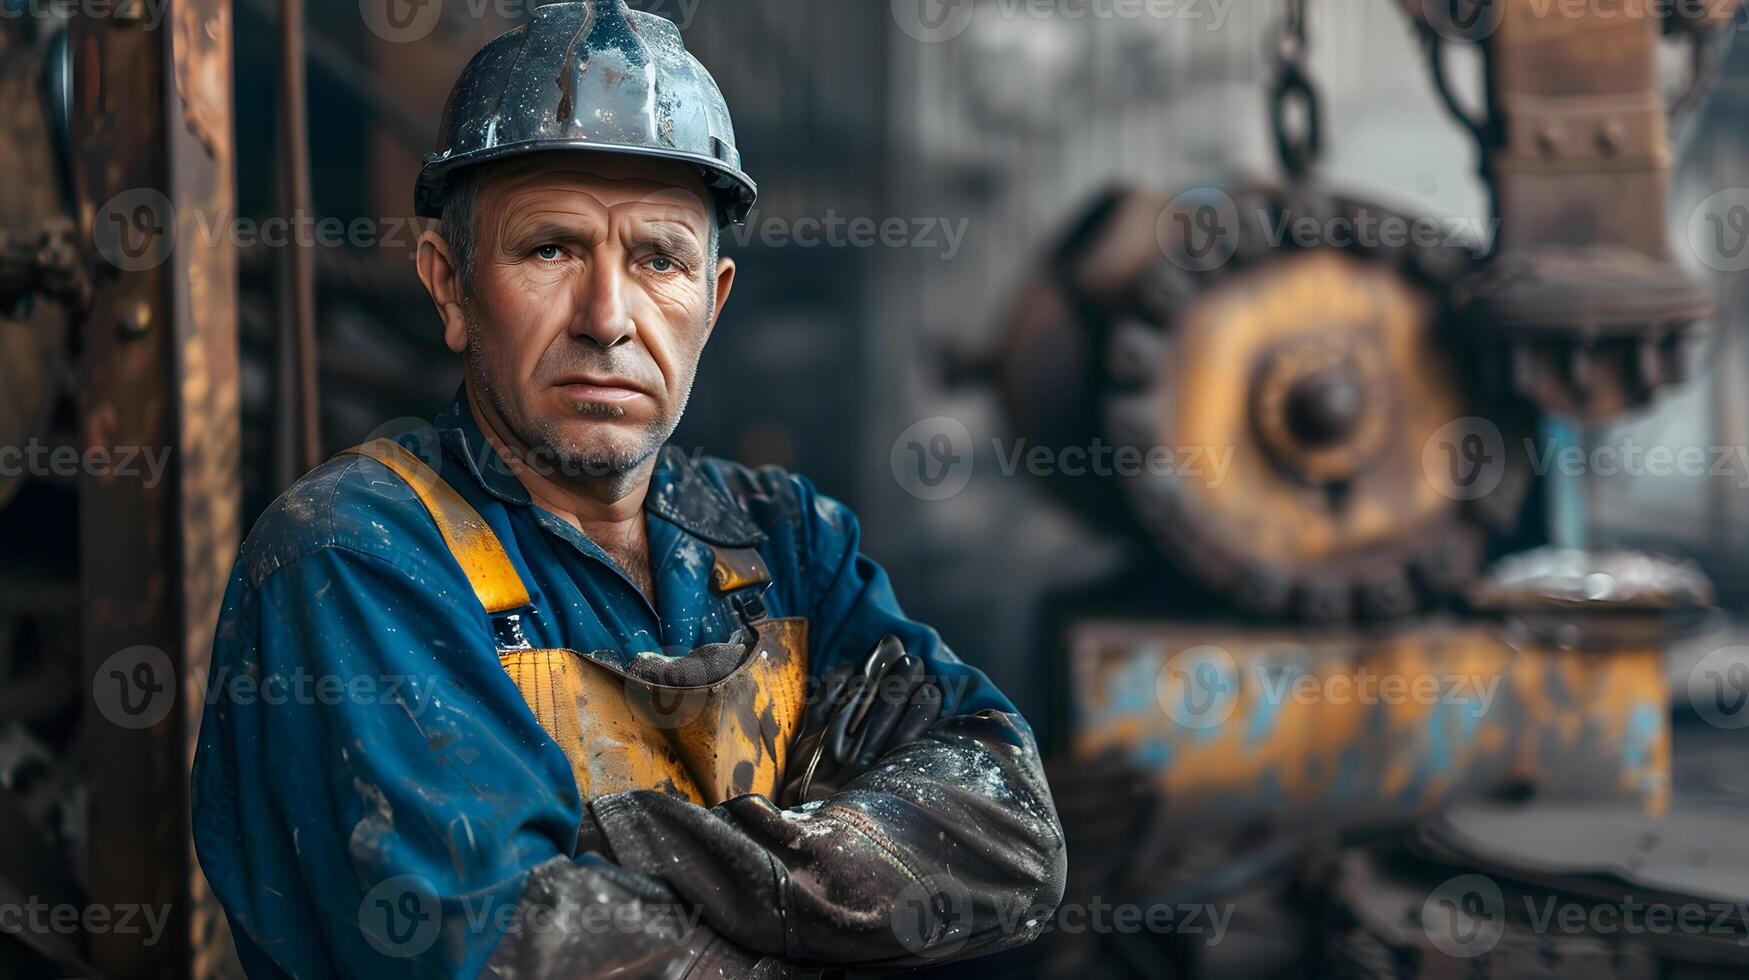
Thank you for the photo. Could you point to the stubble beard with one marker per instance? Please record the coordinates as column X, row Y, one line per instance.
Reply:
column 549, row 452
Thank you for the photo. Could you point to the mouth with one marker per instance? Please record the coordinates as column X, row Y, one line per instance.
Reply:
column 593, row 389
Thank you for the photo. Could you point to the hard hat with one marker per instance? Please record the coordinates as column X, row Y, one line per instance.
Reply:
column 592, row 76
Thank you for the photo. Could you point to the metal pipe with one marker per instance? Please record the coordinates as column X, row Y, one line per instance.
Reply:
column 327, row 57
column 299, row 281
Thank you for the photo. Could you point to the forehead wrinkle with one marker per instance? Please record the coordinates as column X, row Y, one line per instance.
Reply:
column 518, row 217
column 658, row 220
column 571, row 174
column 536, row 207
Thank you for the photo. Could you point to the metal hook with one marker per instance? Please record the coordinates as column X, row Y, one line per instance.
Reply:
column 1299, row 151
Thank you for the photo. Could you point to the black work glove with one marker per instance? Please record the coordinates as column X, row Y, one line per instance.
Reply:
column 858, row 715
column 590, row 837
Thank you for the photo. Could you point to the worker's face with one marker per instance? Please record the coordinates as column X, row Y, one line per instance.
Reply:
column 590, row 304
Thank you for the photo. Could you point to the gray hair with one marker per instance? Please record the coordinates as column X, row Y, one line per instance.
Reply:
column 460, row 225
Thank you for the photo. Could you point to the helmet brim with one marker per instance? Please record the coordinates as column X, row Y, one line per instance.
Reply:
column 732, row 189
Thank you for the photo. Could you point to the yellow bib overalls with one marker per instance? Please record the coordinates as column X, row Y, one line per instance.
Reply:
column 723, row 732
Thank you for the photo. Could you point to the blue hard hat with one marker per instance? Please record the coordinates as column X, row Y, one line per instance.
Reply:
column 592, row 76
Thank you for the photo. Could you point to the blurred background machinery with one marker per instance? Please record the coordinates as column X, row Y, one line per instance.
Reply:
column 1100, row 253
column 1378, row 398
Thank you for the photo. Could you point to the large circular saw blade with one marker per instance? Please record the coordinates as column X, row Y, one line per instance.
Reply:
column 1299, row 402
column 1294, row 432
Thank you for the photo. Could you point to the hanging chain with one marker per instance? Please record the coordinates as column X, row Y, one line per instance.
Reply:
column 1293, row 31
column 1297, row 143
column 1702, row 68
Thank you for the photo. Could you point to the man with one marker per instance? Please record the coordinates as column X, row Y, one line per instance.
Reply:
column 524, row 693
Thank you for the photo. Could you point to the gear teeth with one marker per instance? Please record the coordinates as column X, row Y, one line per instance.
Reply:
column 1388, row 597
column 1134, row 355
column 1524, row 369
column 1164, row 293
column 1675, row 364
column 1581, row 373
column 1264, row 589
column 1329, row 601
column 1499, row 510
column 1450, row 561
column 1649, row 363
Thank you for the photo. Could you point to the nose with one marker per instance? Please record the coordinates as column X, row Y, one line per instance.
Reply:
column 603, row 313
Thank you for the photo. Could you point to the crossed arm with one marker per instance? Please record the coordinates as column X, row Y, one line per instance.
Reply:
column 424, row 825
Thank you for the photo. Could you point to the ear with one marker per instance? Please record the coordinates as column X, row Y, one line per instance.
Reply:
column 437, row 270
column 725, row 283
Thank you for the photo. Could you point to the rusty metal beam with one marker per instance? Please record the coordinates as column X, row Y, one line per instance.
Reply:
column 153, row 160
column 1584, row 155
column 203, row 296
column 298, row 286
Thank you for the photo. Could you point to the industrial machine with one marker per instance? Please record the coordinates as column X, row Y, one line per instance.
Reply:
column 1374, row 610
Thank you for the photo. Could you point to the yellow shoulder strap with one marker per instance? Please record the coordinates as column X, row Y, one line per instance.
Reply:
column 471, row 540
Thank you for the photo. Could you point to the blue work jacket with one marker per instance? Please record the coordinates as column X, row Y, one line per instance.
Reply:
column 359, row 730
